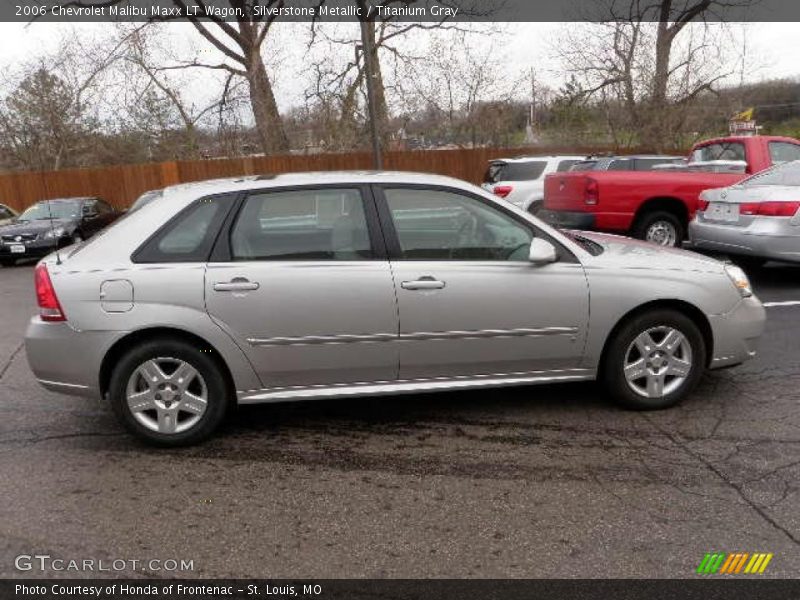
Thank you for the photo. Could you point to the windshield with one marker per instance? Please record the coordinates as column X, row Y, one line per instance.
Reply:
column 516, row 171
column 56, row 210
column 145, row 199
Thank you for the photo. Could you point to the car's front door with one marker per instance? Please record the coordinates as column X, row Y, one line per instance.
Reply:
column 306, row 288
column 470, row 301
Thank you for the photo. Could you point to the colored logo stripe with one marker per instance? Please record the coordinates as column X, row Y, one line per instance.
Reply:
column 723, row 563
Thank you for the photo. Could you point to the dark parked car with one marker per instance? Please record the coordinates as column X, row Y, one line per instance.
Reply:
column 52, row 224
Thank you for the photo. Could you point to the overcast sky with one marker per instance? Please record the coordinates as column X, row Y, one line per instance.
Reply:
column 773, row 47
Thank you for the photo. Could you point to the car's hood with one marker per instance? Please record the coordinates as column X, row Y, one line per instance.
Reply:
column 34, row 226
column 630, row 253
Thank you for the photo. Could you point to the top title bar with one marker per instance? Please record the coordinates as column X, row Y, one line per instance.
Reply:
column 396, row 10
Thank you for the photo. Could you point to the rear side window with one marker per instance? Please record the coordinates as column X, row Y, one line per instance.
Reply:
column 781, row 152
column 189, row 236
column 312, row 224
column 516, row 171
column 584, row 165
column 647, row 164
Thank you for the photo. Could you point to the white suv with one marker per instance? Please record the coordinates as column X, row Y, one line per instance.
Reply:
column 521, row 180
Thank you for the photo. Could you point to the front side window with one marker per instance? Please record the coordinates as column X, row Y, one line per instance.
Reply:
column 5, row 213
column 444, row 225
column 313, row 224
column 781, row 152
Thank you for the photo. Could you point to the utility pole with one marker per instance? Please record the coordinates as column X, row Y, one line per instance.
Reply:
column 367, row 50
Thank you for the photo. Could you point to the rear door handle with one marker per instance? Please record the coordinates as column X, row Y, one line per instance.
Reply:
column 237, row 284
column 423, row 283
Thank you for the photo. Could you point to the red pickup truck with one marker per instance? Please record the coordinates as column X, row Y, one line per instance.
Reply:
column 658, row 205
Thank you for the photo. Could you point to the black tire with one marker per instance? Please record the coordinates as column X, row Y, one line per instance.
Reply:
column 8, row 262
column 612, row 370
column 749, row 262
column 660, row 218
column 203, row 362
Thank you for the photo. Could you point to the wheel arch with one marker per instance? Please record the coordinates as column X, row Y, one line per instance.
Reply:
column 686, row 308
column 662, row 203
column 122, row 345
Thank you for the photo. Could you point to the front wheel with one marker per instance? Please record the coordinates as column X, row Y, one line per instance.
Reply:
column 660, row 227
column 169, row 393
column 654, row 360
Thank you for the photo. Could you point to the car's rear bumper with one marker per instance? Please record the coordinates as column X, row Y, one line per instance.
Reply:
column 736, row 333
column 65, row 360
column 568, row 219
column 765, row 237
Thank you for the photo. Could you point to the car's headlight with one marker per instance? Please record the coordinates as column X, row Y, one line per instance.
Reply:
column 739, row 280
column 56, row 232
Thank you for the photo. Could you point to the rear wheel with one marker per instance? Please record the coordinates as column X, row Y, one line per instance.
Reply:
column 535, row 207
column 660, row 227
column 169, row 393
column 654, row 360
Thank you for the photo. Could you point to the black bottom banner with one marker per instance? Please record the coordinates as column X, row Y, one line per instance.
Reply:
column 401, row 589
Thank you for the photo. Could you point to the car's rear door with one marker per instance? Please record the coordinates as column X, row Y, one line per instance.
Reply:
column 470, row 302
column 301, row 280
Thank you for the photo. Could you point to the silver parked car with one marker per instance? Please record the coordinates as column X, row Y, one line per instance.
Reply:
column 755, row 220
column 323, row 285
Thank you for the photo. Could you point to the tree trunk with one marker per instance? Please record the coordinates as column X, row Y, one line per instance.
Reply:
column 381, row 108
column 265, row 109
column 657, row 123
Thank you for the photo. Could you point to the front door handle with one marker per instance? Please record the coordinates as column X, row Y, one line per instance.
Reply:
column 237, row 284
column 423, row 283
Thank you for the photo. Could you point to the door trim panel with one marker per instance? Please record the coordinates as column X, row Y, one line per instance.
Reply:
column 345, row 338
column 410, row 386
column 488, row 333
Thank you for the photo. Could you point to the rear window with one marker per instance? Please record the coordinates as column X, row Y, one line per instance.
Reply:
column 566, row 165
column 719, row 151
column 781, row 152
column 516, row 171
column 584, row 165
column 783, row 174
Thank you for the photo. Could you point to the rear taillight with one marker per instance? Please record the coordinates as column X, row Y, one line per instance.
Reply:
column 769, row 209
column 502, row 190
column 49, row 306
column 592, row 192
column 702, row 205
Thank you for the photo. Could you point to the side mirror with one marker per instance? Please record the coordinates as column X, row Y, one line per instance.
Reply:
column 542, row 252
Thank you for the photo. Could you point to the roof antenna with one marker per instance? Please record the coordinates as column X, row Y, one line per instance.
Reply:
column 53, row 229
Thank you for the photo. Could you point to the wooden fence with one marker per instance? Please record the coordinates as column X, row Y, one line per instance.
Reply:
column 122, row 184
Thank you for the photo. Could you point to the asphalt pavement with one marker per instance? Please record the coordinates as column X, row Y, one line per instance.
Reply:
column 549, row 481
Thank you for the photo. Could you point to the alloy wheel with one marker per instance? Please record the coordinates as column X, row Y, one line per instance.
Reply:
column 658, row 362
column 662, row 233
column 167, row 395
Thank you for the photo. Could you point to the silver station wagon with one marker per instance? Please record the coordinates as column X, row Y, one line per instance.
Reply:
column 324, row 285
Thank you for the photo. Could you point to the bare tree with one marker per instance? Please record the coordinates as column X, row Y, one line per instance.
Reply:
column 654, row 58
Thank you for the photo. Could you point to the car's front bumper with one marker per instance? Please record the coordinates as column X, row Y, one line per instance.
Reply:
column 568, row 219
column 33, row 249
column 65, row 360
column 764, row 237
column 736, row 333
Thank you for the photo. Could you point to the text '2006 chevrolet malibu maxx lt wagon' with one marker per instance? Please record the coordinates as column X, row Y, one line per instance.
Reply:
column 326, row 285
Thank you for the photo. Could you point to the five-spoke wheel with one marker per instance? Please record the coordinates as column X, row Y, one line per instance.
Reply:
column 169, row 392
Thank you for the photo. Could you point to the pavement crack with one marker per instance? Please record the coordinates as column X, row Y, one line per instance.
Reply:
column 736, row 487
column 11, row 359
